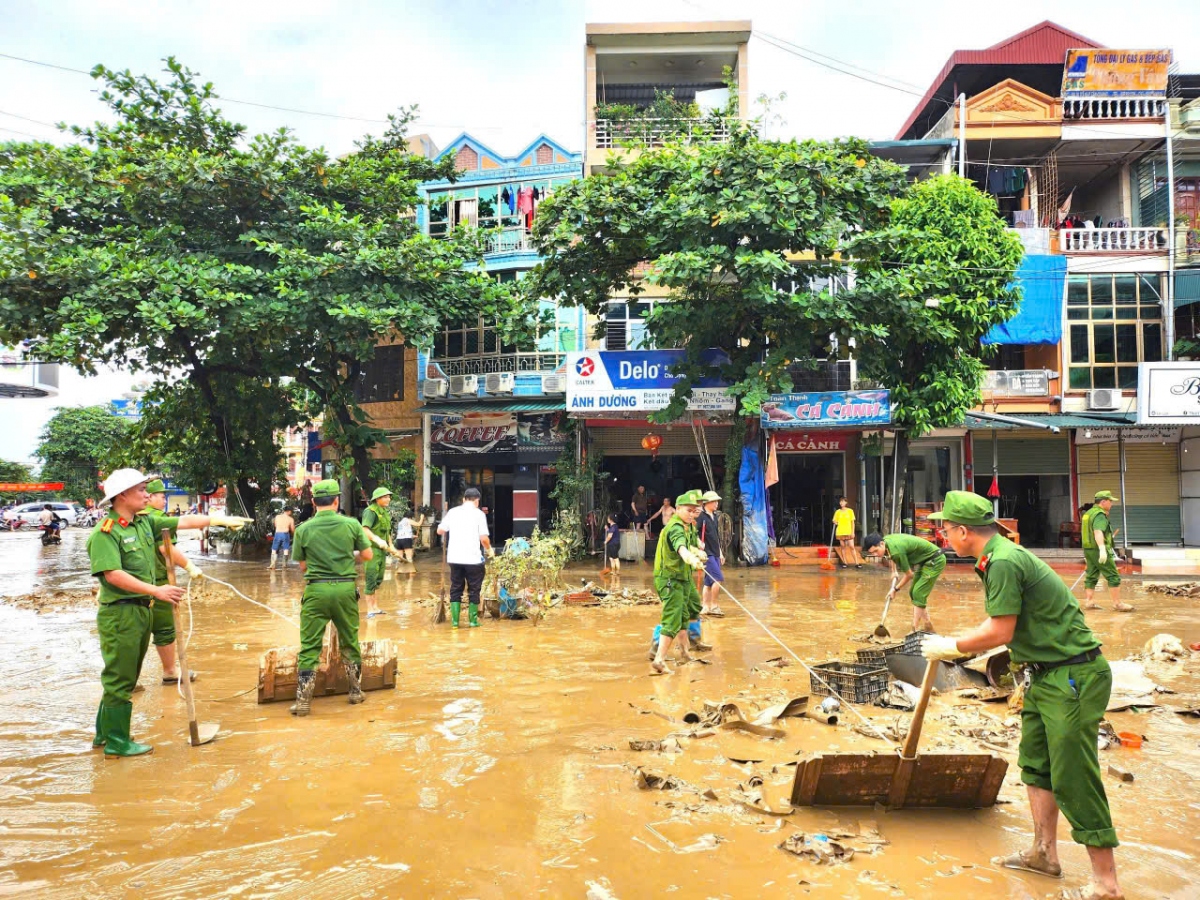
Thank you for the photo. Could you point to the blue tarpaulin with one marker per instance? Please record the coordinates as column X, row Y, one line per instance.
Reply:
column 755, row 519
column 1039, row 317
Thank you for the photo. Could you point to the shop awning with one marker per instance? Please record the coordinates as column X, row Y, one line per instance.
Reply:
column 501, row 406
column 1061, row 420
column 1039, row 317
column 1187, row 287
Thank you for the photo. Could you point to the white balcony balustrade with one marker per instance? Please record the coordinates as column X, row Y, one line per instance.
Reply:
column 1115, row 108
column 1113, row 240
column 511, row 240
column 612, row 133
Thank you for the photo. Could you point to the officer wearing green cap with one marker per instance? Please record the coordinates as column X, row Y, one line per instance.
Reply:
column 678, row 555
column 377, row 520
column 124, row 550
column 162, row 615
column 326, row 548
column 1096, row 535
column 1032, row 611
column 913, row 560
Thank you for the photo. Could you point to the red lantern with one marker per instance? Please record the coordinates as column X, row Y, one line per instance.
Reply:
column 652, row 442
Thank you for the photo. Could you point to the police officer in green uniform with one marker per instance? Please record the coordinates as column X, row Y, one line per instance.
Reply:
column 913, row 559
column 377, row 520
column 1032, row 611
column 1096, row 534
column 326, row 548
column 123, row 549
column 162, row 615
column 678, row 555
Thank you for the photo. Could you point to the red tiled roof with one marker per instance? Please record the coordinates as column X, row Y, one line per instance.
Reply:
column 1044, row 44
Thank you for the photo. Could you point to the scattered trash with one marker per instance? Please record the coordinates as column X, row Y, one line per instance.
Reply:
column 710, row 794
column 1194, row 712
column 1131, row 739
column 794, row 708
column 669, row 745
column 1131, row 688
column 600, row 890
column 1180, row 589
column 651, row 781
column 1120, row 774
column 817, row 848
column 51, row 601
column 702, row 842
column 899, row 695
column 1107, row 737
column 1165, row 647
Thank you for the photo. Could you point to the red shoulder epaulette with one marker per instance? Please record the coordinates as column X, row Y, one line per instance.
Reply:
column 107, row 526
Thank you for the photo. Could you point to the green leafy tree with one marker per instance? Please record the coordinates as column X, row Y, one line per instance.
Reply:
column 74, row 445
column 934, row 281
column 734, row 232
column 13, row 471
column 170, row 241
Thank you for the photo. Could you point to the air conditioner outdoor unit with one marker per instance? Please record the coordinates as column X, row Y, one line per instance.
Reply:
column 499, row 383
column 464, row 384
column 1104, row 399
column 435, row 387
column 554, row 384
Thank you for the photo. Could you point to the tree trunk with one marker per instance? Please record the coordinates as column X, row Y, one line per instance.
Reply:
column 900, row 481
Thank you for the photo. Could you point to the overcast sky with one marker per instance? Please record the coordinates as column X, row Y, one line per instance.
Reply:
column 505, row 72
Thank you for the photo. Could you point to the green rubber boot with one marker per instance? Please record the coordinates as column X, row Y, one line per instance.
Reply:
column 455, row 611
column 115, row 721
column 473, row 614
column 99, row 739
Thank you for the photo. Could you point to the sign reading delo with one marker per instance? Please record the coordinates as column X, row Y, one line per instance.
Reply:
column 635, row 381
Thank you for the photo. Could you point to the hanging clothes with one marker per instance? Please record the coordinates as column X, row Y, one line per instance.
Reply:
column 525, row 205
column 466, row 212
column 507, row 198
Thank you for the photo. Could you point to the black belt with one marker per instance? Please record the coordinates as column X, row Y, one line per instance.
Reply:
column 131, row 601
column 332, row 580
column 1040, row 668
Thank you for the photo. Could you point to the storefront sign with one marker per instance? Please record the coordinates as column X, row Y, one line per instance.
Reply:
column 826, row 409
column 31, row 486
column 541, row 431
column 473, row 432
column 1115, row 73
column 603, row 381
column 1168, row 393
column 810, row 441
column 126, row 409
column 1153, row 434
column 1016, row 383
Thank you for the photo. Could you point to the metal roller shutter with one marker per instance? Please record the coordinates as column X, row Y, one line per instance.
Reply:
column 679, row 441
column 1151, row 487
column 1023, row 455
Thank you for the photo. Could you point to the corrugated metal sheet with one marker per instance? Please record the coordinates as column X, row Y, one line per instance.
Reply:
column 679, row 441
column 1049, row 455
column 1044, row 44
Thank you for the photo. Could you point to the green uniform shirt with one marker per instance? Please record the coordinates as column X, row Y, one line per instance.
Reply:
column 1050, row 624
column 379, row 520
column 909, row 551
column 1095, row 519
column 132, row 547
column 666, row 558
column 327, row 542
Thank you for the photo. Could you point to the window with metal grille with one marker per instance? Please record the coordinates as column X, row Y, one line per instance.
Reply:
column 382, row 379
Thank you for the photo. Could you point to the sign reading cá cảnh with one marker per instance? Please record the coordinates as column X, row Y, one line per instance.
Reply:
column 827, row 409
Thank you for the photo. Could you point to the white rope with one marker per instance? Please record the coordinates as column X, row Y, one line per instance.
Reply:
column 815, row 675
column 249, row 600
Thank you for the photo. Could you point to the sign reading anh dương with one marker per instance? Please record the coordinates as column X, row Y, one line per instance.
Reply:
column 827, row 409
column 604, row 381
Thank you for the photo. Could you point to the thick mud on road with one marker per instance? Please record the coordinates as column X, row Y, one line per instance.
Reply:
column 500, row 765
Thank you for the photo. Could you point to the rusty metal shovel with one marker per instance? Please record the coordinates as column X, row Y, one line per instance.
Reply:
column 198, row 733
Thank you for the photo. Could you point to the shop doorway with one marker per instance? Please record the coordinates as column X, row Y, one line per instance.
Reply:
column 495, row 485
column 806, row 495
column 1039, row 503
column 666, row 476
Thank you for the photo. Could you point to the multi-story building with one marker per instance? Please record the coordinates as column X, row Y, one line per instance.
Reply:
column 491, row 411
column 1085, row 180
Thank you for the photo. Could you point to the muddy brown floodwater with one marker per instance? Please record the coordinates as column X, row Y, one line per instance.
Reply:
column 500, row 765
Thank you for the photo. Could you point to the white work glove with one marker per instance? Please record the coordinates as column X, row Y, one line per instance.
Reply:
column 377, row 540
column 490, row 553
column 233, row 523
column 1103, row 555
column 935, row 647
column 193, row 570
column 690, row 556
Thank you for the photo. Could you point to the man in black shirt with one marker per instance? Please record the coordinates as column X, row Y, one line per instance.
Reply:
column 711, row 542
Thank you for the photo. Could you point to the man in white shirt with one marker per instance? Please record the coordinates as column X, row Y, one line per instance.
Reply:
column 465, row 532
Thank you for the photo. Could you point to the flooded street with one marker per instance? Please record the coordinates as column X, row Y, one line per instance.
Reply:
column 500, row 764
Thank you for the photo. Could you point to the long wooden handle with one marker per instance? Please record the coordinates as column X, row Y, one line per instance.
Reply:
column 888, row 602
column 918, row 719
column 444, row 551
column 185, row 677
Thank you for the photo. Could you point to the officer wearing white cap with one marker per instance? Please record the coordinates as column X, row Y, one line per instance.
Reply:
column 122, row 549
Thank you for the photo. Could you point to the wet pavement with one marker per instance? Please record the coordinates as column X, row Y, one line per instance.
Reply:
column 499, row 766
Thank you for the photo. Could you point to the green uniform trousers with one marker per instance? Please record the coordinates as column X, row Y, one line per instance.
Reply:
column 925, row 578
column 374, row 568
column 124, row 636
column 325, row 602
column 1059, row 726
column 680, row 600
column 162, row 623
column 1095, row 568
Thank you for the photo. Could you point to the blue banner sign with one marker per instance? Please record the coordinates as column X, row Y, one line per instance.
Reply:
column 827, row 409
column 600, row 381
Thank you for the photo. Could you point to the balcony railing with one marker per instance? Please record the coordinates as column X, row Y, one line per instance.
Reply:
column 1113, row 240
column 1114, row 108
column 535, row 363
column 612, row 133
column 511, row 240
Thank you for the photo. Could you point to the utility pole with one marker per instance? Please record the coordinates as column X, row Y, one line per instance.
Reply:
column 1169, row 300
column 962, row 135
